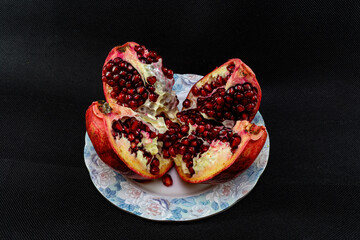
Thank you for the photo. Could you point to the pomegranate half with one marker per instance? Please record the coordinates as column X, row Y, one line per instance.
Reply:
column 230, row 92
column 135, row 77
column 126, row 141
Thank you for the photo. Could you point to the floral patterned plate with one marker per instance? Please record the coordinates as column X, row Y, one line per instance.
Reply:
column 182, row 201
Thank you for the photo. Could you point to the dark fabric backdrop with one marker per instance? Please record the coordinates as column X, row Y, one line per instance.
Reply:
column 306, row 57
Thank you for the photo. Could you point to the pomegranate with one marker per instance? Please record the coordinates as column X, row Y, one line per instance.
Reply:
column 140, row 133
column 127, row 141
column 135, row 77
column 229, row 93
column 167, row 180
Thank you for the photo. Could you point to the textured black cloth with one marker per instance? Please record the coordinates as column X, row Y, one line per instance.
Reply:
column 305, row 55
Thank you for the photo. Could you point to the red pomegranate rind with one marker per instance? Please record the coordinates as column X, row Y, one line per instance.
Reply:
column 99, row 128
column 97, row 134
column 227, row 166
column 230, row 92
column 134, row 77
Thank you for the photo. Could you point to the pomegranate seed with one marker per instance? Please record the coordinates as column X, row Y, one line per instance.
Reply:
column 122, row 82
column 231, row 91
column 104, row 79
column 131, row 137
column 254, row 98
column 128, row 85
column 109, row 66
column 218, row 108
column 115, row 70
column 235, row 142
column 151, row 80
column 185, row 128
column 192, row 150
column 187, row 156
column 153, row 97
column 166, row 153
column 186, row 103
column 108, row 75
column 200, row 129
column 227, row 115
column 228, row 98
column 219, row 100
column 219, row 81
column 191, row 137
column 185, row 142
column 209, row 105
column 151, row 88
column 154, row 170
column 239, row 88
column 192, row 171
column 167, row 180
column 140, row 90
column 121, row 97
column 145, row 95
column 194, row 143
column 139, row 49
column 240, row 108
column 204, row 148
column 118, row 126
column 155, row 162
column 248, row 94
column 247, row 86
column 210, row 113
column 239, row 96
column 203, row 92
column 189, row 163
column 153, row 135
column 250, row 106
column 230, row 67
column 137, row 97
column 116, row 77
column 173, row 137
column 182, row 149
column 172, row 151
column 244, row 116
column 170, row 73
column 195, row 91
column 152, row 54
column 208, row 88
column 128, row 98
column 135, row 78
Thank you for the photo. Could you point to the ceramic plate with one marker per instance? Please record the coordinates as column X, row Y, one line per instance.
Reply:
column 182, row 201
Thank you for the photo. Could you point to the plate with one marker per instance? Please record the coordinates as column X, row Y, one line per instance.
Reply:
column 182, row 201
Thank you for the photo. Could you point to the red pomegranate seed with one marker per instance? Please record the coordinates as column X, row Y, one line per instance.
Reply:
column 154, row 170
column 209, row 105
column 140, row 90
column 211, row 113
column 151, row 80
column 231, row 91
column 182, row 149
column 189, row 163
column 166, row 153
column 145, row 95
column 230, row 67
column 170, row 73
column 203, row 92
column 250, row 106
column 155, row 162
column 121, row 97
column 240, row 108
column 187, row 156
column 109, row 66
column 200, row 129
column 186, row 103
column 208, row 88
column 192, row 171
column 238, row 96
column 195, row 91
column 185, row 142
column 131, row 137
column 115, row 70
column 137, row 96
column 153, row 97
column 228, row 98
column 239, row 88
column 185, row 128
column 167, row 180
column 192, row 150
column 172, row 151
column 194, row 143
column 219, row 100
column 235, row 142
column 153, row 135
column 118, row 126
column 244, row 116
column 204, row 148
column 247, row 87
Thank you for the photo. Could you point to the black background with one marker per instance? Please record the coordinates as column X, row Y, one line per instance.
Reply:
column 306, row 57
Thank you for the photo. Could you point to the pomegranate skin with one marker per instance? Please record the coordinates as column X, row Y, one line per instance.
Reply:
column 96, row 126
column 96, row 130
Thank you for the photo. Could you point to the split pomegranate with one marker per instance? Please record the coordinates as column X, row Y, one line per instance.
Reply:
column 140, row 133
column 127, row 141
column 230, row 92
column 135, row 77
